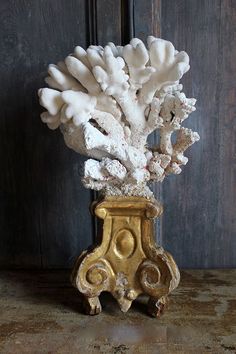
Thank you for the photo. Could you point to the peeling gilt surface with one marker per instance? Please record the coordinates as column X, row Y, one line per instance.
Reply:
column 40, row 313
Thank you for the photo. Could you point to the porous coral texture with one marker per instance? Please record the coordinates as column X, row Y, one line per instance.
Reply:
column 107, row 101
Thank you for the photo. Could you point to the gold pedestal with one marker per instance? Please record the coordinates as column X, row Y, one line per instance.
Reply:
column 126, row 262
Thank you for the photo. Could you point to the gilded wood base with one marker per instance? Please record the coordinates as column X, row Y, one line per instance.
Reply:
column 126, row 262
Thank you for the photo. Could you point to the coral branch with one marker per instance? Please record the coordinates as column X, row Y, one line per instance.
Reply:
column 80, row 71
column 61, row 80
column 154, row 120
column 110, row 76
column 185, row 138
column 170, row 66
column 136, row 57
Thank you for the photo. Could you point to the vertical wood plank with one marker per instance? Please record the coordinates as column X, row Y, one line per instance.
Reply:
column 147, row 18
column 44, row 209
column 66, row 217
column 226, row 162
column 108, row 21
column 127, row 20
column 191, row 227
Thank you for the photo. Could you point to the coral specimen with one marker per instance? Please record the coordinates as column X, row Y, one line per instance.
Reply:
column 108, row 100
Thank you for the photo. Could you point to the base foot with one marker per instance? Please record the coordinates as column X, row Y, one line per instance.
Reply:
column 156, row 307
column 92, row 306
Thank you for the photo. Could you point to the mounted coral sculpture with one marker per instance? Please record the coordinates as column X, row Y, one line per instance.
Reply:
column 108, row 100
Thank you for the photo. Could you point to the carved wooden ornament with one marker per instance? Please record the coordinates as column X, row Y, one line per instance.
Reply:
column 126, row 262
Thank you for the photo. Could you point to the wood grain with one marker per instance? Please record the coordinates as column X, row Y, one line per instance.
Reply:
column 44, row 217
column 198, row 222
column 226, row 141
column 43, row 207
column 42, row 307
column 108, row 21
column 147, row 18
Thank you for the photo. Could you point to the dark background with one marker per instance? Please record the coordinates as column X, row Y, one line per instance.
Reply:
column 44, row 217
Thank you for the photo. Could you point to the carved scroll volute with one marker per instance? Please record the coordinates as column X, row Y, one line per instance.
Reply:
column 154, row 279
column 94, row 278
column 100, row 212
column 95, row 272
column 153, row 210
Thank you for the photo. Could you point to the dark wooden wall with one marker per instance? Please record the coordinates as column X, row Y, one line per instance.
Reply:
column 44, row 218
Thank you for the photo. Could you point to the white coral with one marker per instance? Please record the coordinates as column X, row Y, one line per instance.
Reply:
column 108, row 100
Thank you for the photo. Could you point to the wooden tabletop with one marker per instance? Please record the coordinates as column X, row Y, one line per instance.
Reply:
column 40, row 312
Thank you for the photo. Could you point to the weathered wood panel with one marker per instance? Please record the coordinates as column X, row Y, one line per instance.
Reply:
column 44, row 217
column 43, row 307
column 43, row 207
column 199, row 223
column 226, row 162
column 147, row 18
column 108, row 20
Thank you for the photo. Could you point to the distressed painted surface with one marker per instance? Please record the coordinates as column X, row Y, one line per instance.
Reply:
column 44, row 218
column 199, row 224
column 40, row 313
